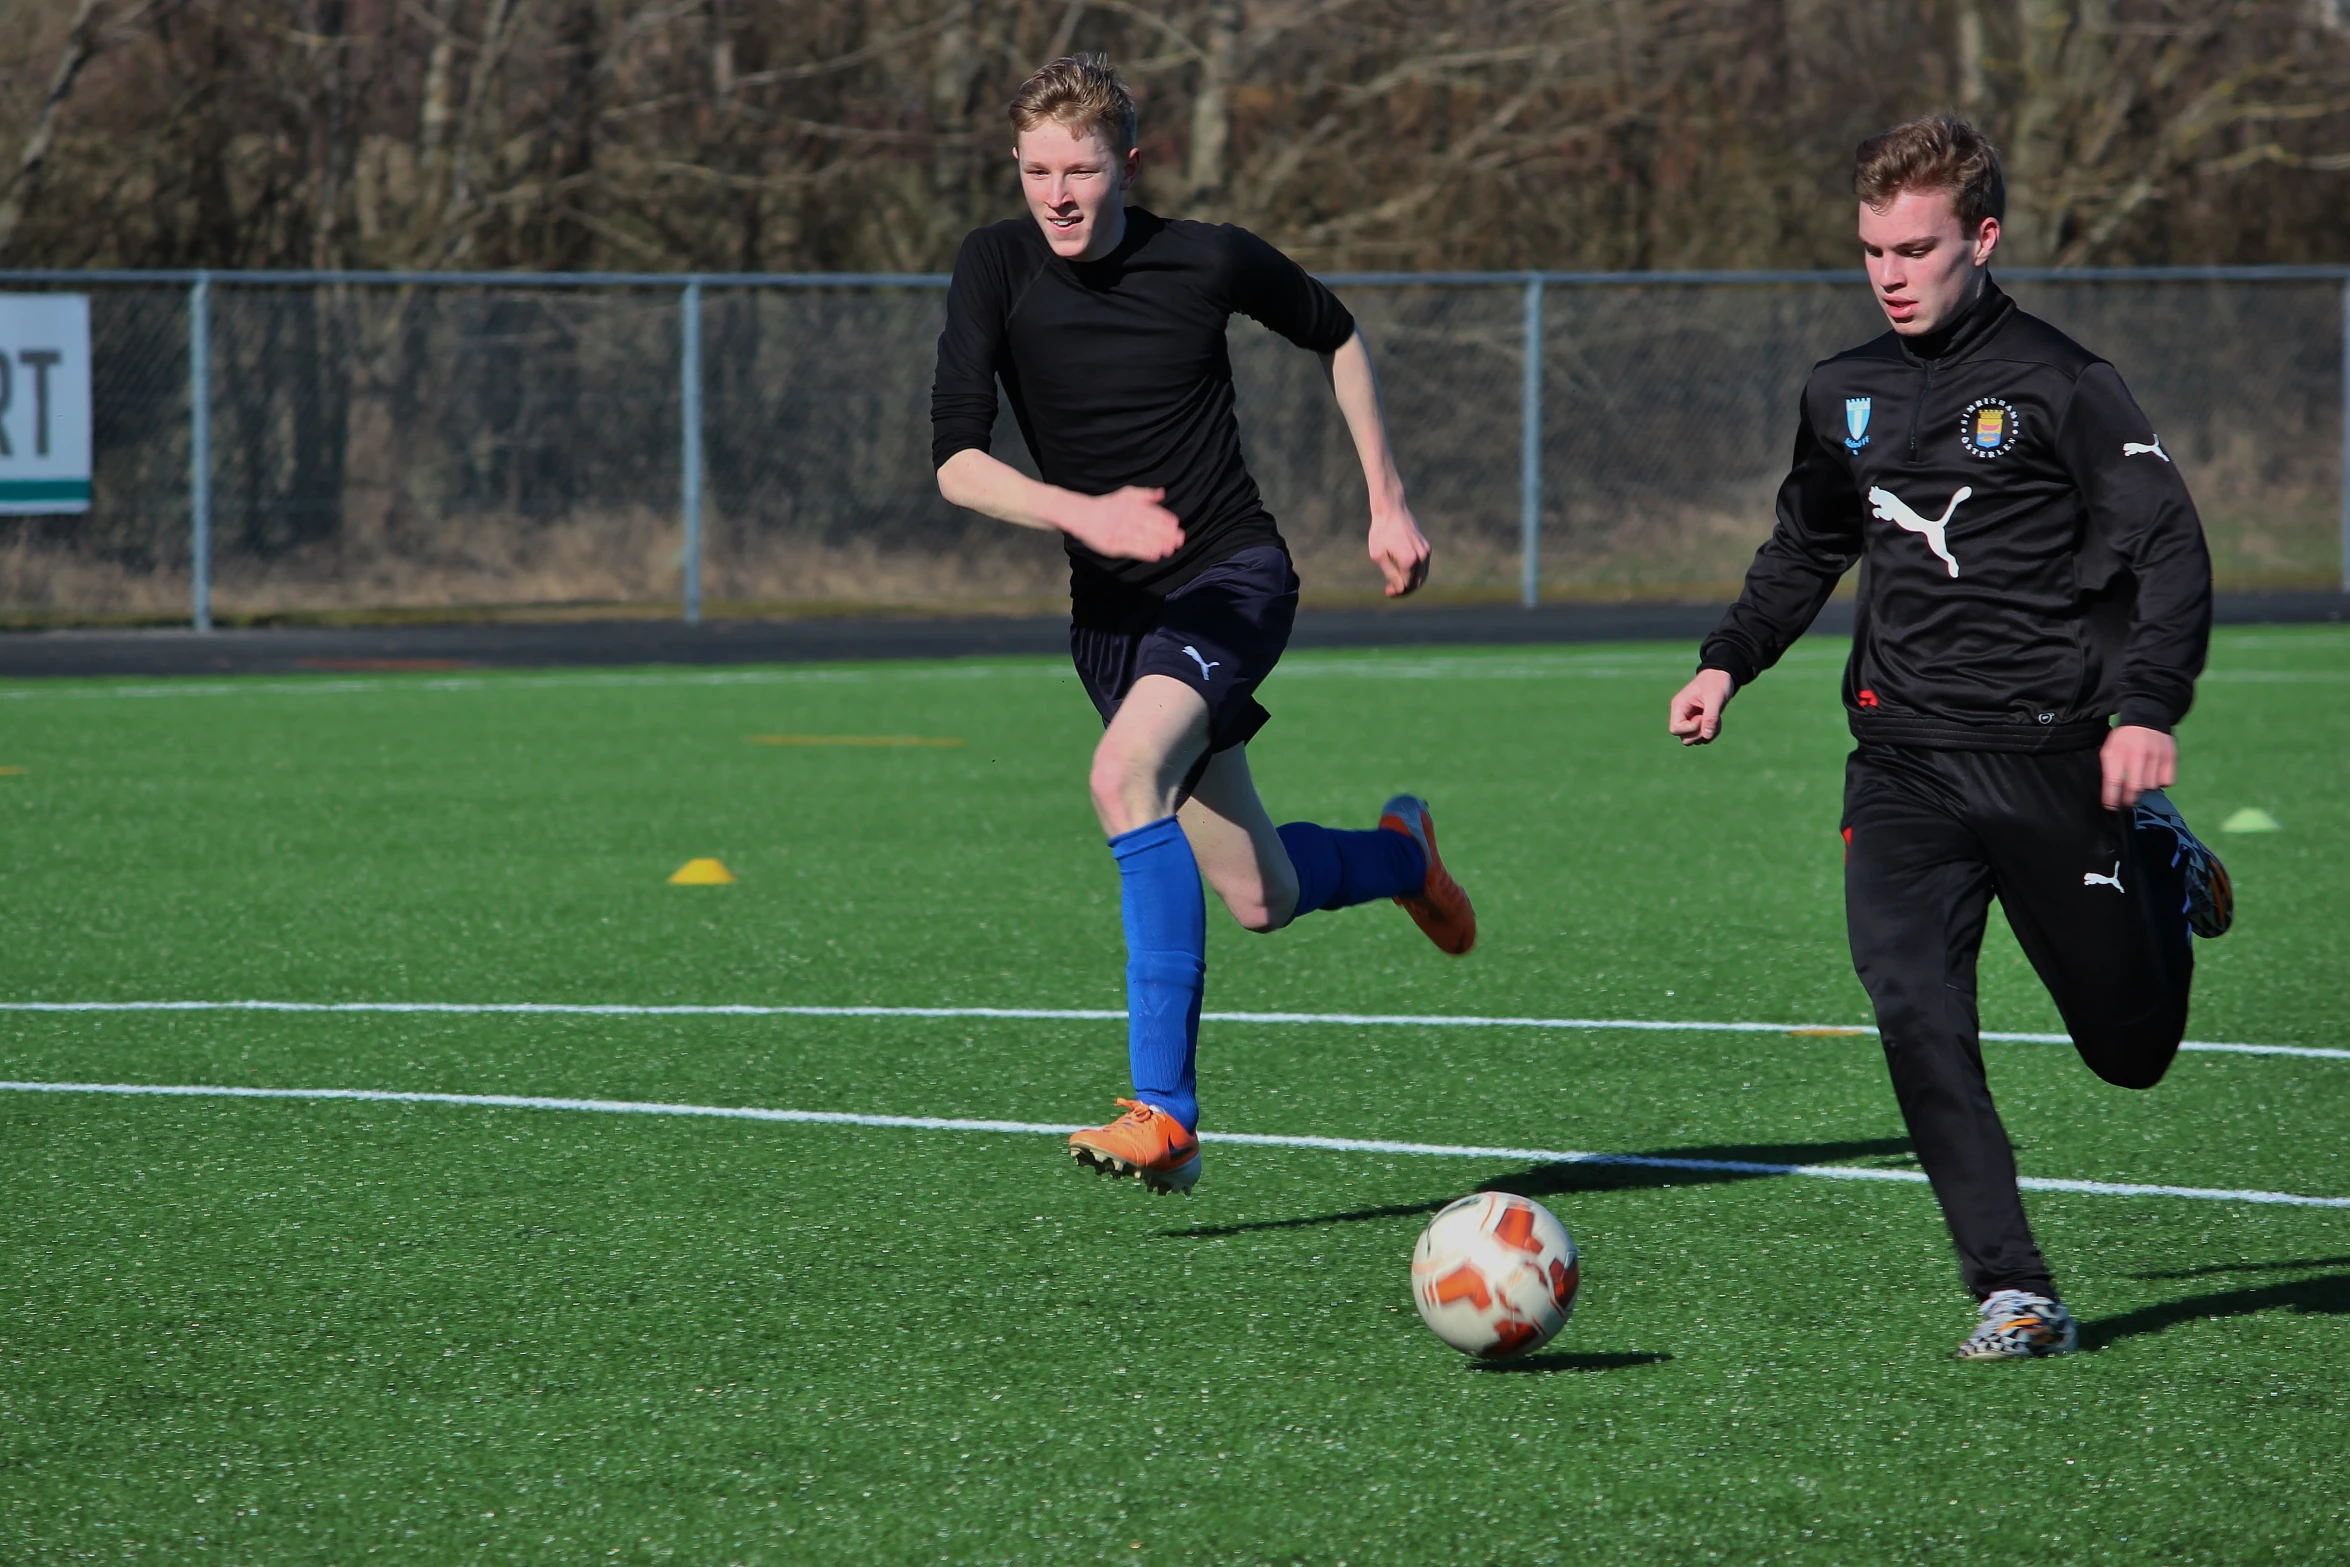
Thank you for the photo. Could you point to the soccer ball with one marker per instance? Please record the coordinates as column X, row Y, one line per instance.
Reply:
column 1494, row 1275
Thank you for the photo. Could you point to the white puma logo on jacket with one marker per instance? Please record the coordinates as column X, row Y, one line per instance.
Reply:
column 2092, row 879
column 2151, row 448
column 1892, row 508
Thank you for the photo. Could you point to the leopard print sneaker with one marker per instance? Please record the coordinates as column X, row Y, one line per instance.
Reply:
column 2019, row 1325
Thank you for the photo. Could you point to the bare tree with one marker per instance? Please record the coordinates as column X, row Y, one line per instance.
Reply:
column 82, row 40
column 869, row 134
column 2113, row 109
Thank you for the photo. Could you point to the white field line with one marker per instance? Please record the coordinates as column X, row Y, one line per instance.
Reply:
column 279, row 686
column 1500, row 665
column 933, row 1123
column 2317, row 636
column 1087, row 1015
column 2283, row 677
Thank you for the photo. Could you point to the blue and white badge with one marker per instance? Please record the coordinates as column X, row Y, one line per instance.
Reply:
column 1856, row 420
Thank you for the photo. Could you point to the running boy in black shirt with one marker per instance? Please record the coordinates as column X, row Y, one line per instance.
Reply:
column 1106, row 324
column 2031, row 624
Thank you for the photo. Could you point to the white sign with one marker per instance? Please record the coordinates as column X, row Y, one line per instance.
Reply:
column 44, row 403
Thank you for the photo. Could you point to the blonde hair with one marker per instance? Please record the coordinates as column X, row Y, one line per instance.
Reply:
column 1940, row 153
column 1082, row 92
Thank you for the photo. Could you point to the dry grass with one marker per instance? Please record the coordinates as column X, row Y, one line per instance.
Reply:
column 626, row 563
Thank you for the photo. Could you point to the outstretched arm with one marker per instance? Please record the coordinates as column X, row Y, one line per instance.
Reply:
column 1127, row 524
column 2141, row 516
column 1397, row 545
column 1266, row 285
column 1816, row 541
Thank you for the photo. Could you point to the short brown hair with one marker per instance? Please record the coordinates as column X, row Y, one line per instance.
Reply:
column 1937, row 153
column 1081, row 91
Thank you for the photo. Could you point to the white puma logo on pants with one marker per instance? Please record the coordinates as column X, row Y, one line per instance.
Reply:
column 1892, row 508
column 2092, row 879
column 1204, row 665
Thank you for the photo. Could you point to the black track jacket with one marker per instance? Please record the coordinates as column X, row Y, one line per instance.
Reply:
column 2034, row 566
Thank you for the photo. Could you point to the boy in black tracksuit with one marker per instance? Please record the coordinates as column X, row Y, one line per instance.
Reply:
column 2034, row 569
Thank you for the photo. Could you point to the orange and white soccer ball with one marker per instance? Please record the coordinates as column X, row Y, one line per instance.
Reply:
column 1495, row 1275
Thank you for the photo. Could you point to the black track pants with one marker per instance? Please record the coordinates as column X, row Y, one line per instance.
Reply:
column 2096, row 906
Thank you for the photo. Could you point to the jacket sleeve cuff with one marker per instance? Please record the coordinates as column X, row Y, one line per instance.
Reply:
column 2145, row 713
column 1741, row 672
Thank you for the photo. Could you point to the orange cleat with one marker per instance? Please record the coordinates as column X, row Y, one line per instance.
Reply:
column 1145, row 1141
column 1440, row 908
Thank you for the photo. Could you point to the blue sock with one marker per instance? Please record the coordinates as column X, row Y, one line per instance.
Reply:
column 1337, row 870
column 1166, row 964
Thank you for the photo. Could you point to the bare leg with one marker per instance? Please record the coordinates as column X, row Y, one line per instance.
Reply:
column 1239, row 853
column 1138, row 770
column 1160, row 731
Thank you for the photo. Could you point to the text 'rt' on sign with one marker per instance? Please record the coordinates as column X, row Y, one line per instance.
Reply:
column 44, row 403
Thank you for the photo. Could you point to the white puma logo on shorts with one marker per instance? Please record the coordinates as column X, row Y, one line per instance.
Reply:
column 1892, row 508
column 1204, row 665
column 2145, row 448
column 2092, row 879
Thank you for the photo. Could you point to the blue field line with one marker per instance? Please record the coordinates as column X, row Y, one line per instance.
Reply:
column 1090, row 1015
column 933, row 1123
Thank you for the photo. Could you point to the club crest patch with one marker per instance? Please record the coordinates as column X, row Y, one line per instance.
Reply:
column 1856, row 423
column 1987, row 428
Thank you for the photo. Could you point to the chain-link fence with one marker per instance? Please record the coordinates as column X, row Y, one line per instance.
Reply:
column 437, row 443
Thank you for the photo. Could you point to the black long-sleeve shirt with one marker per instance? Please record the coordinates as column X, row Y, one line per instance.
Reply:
column 1118, row 373
column 2034, row 566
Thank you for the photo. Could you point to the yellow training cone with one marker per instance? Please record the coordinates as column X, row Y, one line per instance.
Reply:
column 702, row 873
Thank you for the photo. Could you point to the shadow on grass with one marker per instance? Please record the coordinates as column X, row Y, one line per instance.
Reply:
column 1567, row 1360
column 2328, row 1296
column 1615, row 1173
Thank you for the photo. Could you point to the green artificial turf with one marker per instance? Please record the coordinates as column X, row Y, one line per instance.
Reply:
column 295, row 1331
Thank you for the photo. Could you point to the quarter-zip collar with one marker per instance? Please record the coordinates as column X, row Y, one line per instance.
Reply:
column 1961, row 337
column 1949, row 344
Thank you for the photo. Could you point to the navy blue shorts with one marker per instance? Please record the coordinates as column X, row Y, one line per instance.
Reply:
column 1221, row 633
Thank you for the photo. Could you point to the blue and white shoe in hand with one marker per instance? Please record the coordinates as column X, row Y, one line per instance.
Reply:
column 2211, row 897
